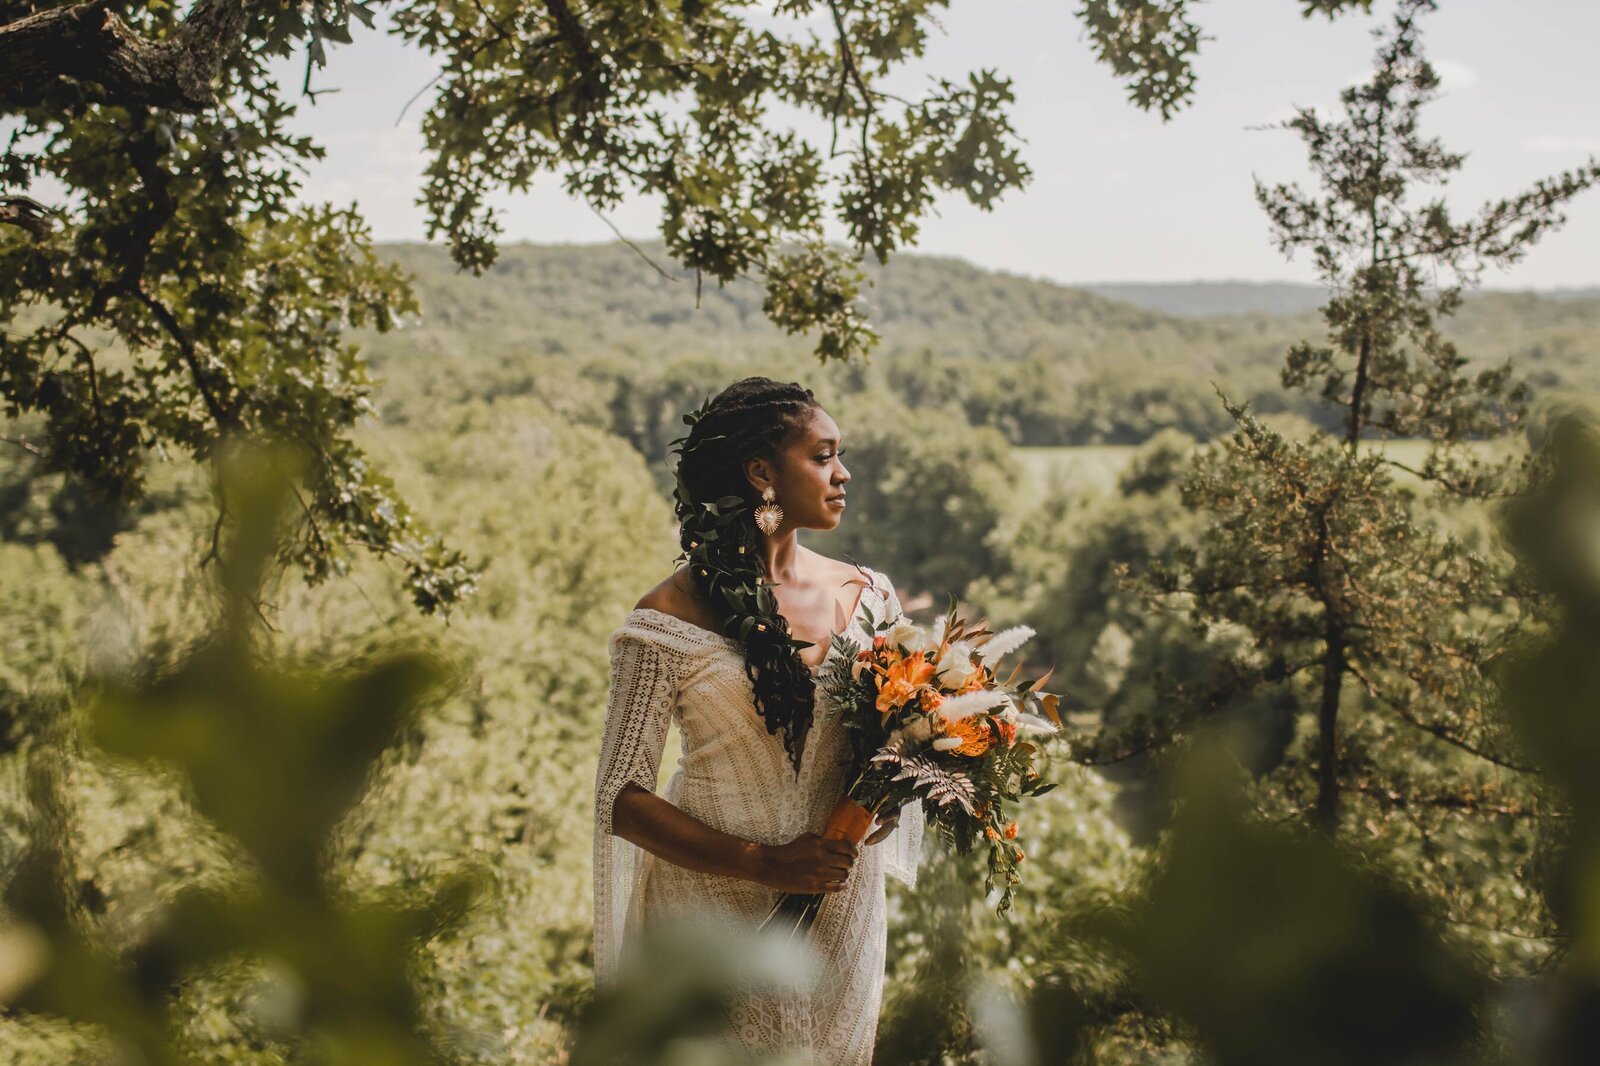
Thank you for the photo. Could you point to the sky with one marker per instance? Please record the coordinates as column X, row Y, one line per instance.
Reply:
column 1117, row 195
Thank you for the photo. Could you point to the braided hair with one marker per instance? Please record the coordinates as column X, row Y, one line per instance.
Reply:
column 715, row 502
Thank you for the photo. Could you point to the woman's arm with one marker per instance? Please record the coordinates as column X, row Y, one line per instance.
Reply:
column 808, row 863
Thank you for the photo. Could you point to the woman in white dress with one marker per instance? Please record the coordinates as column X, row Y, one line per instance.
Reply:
column 716, row 647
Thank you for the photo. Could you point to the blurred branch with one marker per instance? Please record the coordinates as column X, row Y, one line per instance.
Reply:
column 25, row 213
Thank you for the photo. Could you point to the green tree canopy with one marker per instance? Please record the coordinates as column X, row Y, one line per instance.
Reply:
column 169, row 289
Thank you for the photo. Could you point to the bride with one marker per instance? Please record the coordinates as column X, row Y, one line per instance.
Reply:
column 763, row 752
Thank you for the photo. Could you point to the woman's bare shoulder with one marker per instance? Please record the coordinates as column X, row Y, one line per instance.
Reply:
column 673, row 596
column 845, row 572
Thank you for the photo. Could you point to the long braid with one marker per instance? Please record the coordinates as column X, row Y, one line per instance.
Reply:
column 715, row 505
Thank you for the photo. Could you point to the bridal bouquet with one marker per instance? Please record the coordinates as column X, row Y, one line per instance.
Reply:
column 929, row 720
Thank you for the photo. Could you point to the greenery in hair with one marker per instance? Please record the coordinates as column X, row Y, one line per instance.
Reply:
column 720, row 542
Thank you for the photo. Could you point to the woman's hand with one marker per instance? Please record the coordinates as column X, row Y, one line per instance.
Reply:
column 808, row 863
column 885, row 827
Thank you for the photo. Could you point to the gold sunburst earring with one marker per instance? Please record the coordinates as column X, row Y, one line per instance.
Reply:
column 769, row 514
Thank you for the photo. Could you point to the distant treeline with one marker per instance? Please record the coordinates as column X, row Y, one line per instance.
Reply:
column 1045, row 364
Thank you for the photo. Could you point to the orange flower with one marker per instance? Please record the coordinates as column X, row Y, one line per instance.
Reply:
column 901, row 682
column 974, row 733
column 892, row 692
column 1020, row 855
column 1011, row 831
column 1008, row 730
column 918, row 669
column 989, row 832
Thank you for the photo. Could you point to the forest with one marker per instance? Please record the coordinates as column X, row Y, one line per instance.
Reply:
column 538, row 444
column 310, row 547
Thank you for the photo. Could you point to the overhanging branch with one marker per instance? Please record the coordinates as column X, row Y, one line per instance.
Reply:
column 572, row 32
column 25, row 213
column 90, row 43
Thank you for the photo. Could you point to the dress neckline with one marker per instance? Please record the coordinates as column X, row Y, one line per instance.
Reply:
column 732, row 643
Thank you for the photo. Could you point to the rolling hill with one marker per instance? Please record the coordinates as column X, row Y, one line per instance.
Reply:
column 606, row 299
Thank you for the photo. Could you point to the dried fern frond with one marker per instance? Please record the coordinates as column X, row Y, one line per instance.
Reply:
column 940, row 786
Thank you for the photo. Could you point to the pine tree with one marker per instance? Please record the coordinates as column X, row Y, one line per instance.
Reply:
column 1351, row 629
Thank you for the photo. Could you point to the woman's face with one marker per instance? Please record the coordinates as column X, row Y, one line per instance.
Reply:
column 810, row 482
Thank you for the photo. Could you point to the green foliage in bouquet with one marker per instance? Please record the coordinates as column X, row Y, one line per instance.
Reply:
column 929, row 720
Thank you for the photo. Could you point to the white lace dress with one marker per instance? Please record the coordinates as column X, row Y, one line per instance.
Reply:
column 736, row 777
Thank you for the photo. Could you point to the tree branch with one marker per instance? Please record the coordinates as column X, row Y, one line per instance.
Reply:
column 26, row 213
column 65, row 333
column 27, row 446
column 639, row 251
column 223, row 418
column 1433, row 729
column 572, row 33
column 851, row 70
column 1466, row 802
column 89, row 42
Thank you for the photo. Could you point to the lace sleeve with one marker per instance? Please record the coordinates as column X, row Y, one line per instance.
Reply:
column 903, row 845
column 638, row 711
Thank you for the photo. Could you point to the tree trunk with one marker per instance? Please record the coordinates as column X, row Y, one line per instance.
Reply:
column 1326, row 815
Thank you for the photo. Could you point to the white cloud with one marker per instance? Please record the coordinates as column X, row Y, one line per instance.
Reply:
column 1454, row 74
column 401, row 146
column 1562, row 144
column 792, row 27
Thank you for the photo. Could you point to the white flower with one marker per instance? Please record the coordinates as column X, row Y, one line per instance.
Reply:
column 910, row 636
column 946, row 743
column 955, row 708
column 955, row 665
column 1004, row 643
column 1030, row 725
